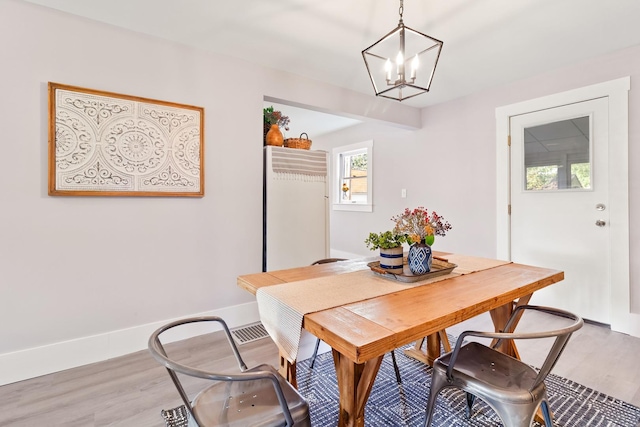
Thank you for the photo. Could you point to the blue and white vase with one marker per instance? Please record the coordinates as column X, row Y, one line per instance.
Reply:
column 420, row 258
column 391, row 259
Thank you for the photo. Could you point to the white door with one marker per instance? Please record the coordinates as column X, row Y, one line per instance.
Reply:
column 559, row 203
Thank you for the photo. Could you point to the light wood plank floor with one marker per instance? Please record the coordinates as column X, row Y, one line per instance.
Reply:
column 131, row 390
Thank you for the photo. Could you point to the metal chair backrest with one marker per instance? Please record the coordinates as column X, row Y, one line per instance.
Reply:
column 328, row 260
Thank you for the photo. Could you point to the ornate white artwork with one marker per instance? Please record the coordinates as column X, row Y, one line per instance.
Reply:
column 105, row 144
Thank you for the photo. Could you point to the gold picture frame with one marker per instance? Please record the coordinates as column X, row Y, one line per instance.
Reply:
column 108, row 144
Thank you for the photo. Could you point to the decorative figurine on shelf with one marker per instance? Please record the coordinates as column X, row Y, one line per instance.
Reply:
column 345, row 189
column 273, row 121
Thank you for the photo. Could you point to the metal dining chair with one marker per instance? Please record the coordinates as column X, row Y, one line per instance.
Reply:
column 256, row 396
column 512, row 388
column 315, row 351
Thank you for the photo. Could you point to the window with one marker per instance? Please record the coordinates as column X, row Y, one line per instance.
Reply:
column 557, row 156
column 352, row 184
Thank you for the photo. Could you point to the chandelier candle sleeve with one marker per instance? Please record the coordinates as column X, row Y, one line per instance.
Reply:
column 414, row 66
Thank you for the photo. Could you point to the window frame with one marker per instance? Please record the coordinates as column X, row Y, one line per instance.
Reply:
column 337, row 155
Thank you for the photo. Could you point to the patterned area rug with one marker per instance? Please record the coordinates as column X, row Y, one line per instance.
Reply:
column 393, row 404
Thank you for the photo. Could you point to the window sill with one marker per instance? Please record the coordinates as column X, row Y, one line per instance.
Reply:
column 355, row 207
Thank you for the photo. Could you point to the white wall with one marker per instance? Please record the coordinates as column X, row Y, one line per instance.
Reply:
column 449, row 164
column 84, row 279
column 456, row 179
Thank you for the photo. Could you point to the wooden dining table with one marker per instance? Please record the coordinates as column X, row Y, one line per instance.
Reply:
column 362, row 332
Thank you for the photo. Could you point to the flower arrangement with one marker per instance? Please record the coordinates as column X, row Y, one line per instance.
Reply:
column 385, row 240
column 275, row 118
column 420, row 226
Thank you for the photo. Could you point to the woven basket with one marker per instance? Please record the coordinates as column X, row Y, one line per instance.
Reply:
column 303, row 143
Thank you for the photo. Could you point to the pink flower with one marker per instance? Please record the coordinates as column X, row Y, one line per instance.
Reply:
column 418, row 223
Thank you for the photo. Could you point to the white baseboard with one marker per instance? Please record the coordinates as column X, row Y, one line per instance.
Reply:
column 633, row 325
column 37, row 361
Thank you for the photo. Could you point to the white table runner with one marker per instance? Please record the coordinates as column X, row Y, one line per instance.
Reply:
column 282, row 307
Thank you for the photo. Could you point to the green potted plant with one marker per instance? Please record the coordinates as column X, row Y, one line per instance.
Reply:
column 390, row 246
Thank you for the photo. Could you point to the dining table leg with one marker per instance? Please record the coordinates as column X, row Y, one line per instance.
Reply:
column 288, row 370
column 355, row 381
column 435, row 342
column 500, row 316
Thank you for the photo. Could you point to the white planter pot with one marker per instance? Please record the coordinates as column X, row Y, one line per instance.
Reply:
column 391, row 259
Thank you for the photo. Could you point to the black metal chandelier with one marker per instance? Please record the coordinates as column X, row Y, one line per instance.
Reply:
column 401, row 64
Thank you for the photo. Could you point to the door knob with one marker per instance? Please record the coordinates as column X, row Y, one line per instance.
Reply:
column 600, row 223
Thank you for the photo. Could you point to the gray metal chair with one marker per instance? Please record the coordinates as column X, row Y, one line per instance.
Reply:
column 315, row 351
column 512, row 388
column 252, row 397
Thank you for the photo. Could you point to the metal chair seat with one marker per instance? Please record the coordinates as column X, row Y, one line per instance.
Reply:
column 494, row 375
column 511, row 387
column 258, row 397
column 247, row 403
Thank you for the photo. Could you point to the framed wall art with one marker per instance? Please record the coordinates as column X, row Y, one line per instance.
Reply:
column 107, row 144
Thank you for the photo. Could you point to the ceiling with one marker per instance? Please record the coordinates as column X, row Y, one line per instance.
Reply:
column 487, row 43
column 313, row 123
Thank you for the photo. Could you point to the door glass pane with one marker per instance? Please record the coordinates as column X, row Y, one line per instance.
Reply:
column 557, row 156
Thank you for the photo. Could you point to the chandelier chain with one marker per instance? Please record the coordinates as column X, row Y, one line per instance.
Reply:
column 401, row 9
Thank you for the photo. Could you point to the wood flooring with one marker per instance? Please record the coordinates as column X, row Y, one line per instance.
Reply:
column 132, row 390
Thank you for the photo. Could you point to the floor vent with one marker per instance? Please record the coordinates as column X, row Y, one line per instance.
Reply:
column 249, row 333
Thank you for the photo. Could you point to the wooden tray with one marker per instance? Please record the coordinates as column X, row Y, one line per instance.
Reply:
column 439, row 267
